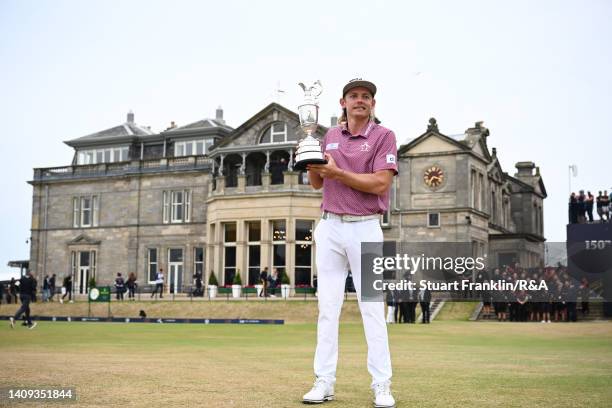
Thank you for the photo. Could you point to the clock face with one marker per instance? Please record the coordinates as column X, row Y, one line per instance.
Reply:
column 94, row 293
column 434, row 176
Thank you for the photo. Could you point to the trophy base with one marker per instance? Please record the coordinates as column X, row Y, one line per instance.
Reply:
column 301, row 165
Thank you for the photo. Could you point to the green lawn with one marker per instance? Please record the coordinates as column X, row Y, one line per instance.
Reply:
column 447, row 363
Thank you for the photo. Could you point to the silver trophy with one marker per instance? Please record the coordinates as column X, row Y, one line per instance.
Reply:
column 309, row 148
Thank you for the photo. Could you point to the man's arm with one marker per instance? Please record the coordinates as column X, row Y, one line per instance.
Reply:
column 374, row 183
column 315, row 180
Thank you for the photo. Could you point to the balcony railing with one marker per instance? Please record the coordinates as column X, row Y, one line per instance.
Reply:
column 121, row 168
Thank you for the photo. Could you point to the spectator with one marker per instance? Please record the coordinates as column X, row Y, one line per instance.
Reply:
column 274, row 281
column 263, row 278
column 131, row 285
column 12, row 291
column 573, row 209
column 199, row 291
column 67, row 289
column 581, row 207
column 27, row 287
column 605, row 206
column 599, row 205
column 159, row 284
column 424, row 301
column 589, row 205
column 119, row 286
column 45, row 289
column 51, row 288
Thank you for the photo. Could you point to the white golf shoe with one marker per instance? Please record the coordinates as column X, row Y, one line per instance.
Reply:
column 321, row 391
column 382, row 395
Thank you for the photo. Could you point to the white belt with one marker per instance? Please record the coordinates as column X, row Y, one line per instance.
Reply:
column 348, row 217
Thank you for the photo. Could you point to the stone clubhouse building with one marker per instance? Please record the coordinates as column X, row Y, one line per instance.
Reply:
column 208, row 197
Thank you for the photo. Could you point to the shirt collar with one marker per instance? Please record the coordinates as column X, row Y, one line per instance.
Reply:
column 365, row 131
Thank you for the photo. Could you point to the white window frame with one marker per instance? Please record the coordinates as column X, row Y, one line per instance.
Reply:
column 165, row 207
column 229, row 244
column 252, row 244
column 170, row 206
column 114, row 154
column 270, row 130
column 429, row 219
column 275, row 242
column 196, row 262
column 175, row 204
column 180, row 148
column 89, row 209
column 76, row 212
column 149, row 263
column 304, row 243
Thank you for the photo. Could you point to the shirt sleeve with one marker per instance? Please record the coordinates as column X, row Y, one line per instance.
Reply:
column 386, row 154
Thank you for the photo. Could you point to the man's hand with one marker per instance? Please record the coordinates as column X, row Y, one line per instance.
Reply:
column 330, row 170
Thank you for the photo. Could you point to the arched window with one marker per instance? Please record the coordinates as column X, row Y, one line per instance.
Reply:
column 278, row 132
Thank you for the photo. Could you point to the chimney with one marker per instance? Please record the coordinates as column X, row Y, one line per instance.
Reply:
column 219, row 115
column 525, row 169
column 334, row 120
column 130, row 117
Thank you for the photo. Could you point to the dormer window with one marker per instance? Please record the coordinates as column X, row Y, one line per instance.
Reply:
column 103, row 155
column 278, row 132
column 197, row 147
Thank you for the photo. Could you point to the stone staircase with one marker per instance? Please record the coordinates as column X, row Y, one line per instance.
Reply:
column 434, row 308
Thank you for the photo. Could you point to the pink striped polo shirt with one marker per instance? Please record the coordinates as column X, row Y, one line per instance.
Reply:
column 373, row 149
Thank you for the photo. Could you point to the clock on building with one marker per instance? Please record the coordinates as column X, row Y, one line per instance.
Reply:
column 434, row 177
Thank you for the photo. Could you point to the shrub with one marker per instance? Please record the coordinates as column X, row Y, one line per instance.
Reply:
column 285, row 279
column 212, row 279
column 237, row 278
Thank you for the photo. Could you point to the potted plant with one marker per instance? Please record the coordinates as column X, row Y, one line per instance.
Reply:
column 285, row 285
column 212, row 285
column 237, row 285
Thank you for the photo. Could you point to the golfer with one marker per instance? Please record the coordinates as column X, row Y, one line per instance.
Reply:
column 362, row 160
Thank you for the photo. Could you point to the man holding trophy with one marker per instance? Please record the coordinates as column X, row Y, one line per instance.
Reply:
column 355, row 166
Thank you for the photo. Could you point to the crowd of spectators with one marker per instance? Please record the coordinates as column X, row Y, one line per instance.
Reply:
column 557, row 303
column 581, row 205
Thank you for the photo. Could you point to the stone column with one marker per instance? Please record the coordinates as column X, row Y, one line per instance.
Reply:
column 290, row 164
column 221, row 165
column 221, row 185
column 242, row 183
column 265, row 181
column 267, row 165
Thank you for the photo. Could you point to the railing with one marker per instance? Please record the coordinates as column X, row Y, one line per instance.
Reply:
column 192, row 293
column 120, row 168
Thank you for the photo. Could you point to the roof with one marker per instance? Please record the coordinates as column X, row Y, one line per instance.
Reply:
column 202, row 124
column 126, row 131
column 236, row 133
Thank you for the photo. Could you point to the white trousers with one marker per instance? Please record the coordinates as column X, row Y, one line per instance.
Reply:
column 338, row 249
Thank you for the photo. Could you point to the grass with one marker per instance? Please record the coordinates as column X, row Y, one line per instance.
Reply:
column 445, row 364
column 456, row 311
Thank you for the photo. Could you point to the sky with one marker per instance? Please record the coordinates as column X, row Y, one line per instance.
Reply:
column 537, row 74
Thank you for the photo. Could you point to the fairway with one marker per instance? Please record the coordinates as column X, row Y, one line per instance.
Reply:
column 447, row 363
